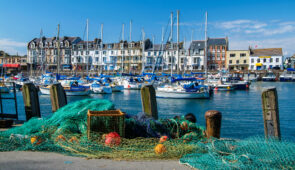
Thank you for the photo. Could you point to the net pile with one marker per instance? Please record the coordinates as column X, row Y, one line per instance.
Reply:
column 66, row 132
column 251, row 153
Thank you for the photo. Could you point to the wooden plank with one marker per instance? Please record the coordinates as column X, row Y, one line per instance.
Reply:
column 31, row 101
column 270, row 110
column 149, row 101
column 57, row 96
column 213, row 123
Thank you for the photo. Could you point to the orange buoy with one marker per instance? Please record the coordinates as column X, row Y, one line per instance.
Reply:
column 163, row 139
column 160, row 148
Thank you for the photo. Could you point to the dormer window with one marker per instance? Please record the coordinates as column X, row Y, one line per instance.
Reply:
column 67, row 44
column 32, row 45
column 122, row 45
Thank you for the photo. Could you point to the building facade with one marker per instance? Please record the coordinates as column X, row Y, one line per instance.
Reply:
column 237, row 60
column 216, row 53
column 265, row 59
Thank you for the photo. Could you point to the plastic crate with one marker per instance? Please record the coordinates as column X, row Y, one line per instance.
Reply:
column 105, row 122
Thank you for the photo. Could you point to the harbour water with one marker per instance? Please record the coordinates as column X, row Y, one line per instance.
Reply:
column 241, row 110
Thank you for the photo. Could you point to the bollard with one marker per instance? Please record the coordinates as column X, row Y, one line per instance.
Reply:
column 213, row 123
column 57, row 96
column 31, row 101
column 270, row 110
column 148, row 101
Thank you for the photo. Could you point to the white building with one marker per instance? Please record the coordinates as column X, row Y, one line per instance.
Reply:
column 265, row 59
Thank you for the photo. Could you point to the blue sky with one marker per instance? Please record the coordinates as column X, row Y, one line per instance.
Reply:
column 263, row 23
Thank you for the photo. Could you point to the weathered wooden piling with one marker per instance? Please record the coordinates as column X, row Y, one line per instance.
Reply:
column 213, row 123
column 270, row 110
column 57, row 96
column 31, row 101
column 149, row 101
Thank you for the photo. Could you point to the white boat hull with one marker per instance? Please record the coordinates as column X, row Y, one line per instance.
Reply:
column 102, row 90
column 117, row 88
column 46, row 91
column 182, row 95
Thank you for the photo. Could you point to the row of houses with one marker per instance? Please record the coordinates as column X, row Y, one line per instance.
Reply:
column 74, row 53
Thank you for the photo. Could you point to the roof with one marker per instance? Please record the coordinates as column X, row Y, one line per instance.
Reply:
column 200, row 44
column 155, row 47
column 217, row 41
column 267, row 52
column 195, row 45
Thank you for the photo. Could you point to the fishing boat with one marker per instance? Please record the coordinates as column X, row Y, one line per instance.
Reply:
column 70, row 91
column 132, row 84
column 288, row 75
column 100, row 88
column 190, row 89
column 269, row 77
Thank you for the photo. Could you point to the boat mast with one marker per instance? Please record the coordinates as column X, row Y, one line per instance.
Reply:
column 205, row 50
column 178, row 60
column 162, row 48
column 42, row 60
column 143, row 50
column 87, row 57
column 101, row 47
column 58, row 50
column 171, row 43
column 122, row 64
column 130, row 39
column 154, row 51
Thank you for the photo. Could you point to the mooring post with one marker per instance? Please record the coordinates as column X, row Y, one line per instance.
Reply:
column 270, row 110
column 213, row 123
column 31, row 101
column 57, row 96
column 149, row 101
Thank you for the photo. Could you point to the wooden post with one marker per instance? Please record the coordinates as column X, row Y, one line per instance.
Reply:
column 149, row 101
column 213, row 123
column 31, row 101
column 57, row 96
column 270, row 110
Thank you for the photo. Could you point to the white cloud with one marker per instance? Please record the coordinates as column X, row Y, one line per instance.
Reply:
column 286, row 43
column 13, row 47
column 258, row 28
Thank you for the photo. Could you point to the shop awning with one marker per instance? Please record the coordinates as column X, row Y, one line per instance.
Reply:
column 259, row 64
column 11, row 65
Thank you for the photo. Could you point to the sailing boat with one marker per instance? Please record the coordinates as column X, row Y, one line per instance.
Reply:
column 72, row 88
column 181, row 88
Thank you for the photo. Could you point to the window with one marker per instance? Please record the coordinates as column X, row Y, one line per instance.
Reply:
column 149, row 53
column 81, row 52
column 277, row 60
column 243, row 55
column 195, row 60
column 96, row 52
column 230, row 61
column 258, row 60
column 245, row 61
column 155, row 53
column 87, row 52
column 238, row 61
column 252, row 60
column 104, row 59
column 182, row 60
column 232, row 55
column 104, row 52
column 271, row 60
column 264, row 60
column 96, row 59
column 252, row 67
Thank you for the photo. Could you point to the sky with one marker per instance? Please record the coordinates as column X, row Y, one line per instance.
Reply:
column 255, row 23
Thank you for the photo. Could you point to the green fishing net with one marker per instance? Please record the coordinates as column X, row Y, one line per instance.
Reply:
column 251, row 153
column 66, row 132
